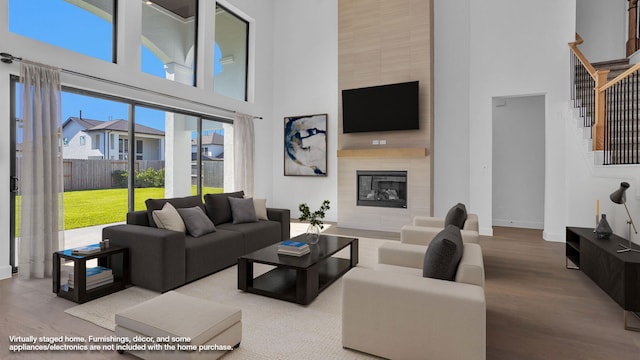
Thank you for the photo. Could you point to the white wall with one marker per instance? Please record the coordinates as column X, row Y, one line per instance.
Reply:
column 509, row 55
column 451, row 105
column 305, row 82
column 603, row 26
column 518, row 162
column 512, row 54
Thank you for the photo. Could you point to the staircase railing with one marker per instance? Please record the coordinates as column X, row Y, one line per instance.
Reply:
column 621, row 132
column 586, row 96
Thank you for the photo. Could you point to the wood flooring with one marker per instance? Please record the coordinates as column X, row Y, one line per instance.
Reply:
column 536, row 307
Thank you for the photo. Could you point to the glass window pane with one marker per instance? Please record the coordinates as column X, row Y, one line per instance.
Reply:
column 163, row 154
column 212, row 150
column 168, row 39
column 85, row 27
column 230, row 55
column 94, row 176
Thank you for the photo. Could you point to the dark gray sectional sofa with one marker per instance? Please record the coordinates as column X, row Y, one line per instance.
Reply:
column 162, row 260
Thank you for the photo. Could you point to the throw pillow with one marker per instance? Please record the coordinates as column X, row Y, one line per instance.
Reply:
column 242, row 210
column 168, row 218
column 443, row 254
column 457, row 216
column 218, row 208
column 261, row 208
column 196, row 221
column 178, row 203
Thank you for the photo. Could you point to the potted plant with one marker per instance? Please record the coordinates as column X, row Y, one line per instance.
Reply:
column 314, row 219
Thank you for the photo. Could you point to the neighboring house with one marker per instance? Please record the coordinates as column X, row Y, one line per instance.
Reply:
column 96, row 139
column 212, row 147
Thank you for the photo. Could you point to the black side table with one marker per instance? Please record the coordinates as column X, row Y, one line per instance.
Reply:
column 114, row 257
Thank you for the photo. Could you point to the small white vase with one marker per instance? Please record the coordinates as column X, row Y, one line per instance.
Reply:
column 313, row 234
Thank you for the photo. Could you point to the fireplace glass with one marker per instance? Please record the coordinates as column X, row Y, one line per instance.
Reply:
column 382, row 188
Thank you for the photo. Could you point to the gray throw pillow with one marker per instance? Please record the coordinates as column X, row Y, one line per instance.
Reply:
column 178, row 203
column 443, row 254
column 457, row 216
column 243, row 210
column 196, row 221
column 218, row 208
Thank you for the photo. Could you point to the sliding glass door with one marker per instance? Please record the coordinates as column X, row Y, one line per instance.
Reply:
column 117, row 153
column 15, row 161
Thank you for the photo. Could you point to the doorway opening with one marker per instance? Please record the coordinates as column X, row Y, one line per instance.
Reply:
column 518, row 161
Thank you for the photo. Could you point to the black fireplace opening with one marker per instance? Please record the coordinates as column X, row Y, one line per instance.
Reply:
column 382, row 188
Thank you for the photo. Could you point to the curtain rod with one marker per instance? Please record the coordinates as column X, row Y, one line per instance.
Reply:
column 8, row 59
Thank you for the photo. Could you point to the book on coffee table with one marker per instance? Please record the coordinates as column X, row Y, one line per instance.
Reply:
column 294, row 253
column 296, row 248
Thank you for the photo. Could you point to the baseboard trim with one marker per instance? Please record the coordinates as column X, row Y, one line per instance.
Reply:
column 554, row 237
column 5, row 272
column 486, row 231
column 519, row 224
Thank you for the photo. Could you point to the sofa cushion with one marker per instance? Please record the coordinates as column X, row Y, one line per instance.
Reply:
column 196, row 221
column 443, row 254
column 457, row 215
column 178, row 203
column 261, row 208
column 212, row 252
column 168, row 218
column 257, row 234
column 242, row 210
column 218, row 208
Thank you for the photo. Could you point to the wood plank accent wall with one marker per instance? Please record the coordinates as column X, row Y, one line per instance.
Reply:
column 383, row 42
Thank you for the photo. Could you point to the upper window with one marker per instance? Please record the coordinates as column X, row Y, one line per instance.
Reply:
column 230, row 54
column 168, row 39
column 85, row 27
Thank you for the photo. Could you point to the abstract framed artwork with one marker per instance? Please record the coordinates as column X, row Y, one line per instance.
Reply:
column 305, row 145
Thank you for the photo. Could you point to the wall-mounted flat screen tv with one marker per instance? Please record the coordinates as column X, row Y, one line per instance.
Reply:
column 381, row 108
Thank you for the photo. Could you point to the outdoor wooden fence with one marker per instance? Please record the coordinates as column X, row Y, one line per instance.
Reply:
column 83, row 174
column 212, row 173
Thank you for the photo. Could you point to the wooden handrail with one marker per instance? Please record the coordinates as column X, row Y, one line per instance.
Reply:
column 583, row 59
column 579, row 40
column 600, row 79
column 620, row 77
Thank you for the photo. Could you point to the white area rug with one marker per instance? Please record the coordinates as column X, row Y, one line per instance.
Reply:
column 271, row 329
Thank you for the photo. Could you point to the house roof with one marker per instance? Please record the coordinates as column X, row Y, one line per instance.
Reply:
column 114, row 125
column 210, row 139
column 207, row 157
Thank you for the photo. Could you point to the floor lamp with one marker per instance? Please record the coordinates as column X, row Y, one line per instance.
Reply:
column 619, row 197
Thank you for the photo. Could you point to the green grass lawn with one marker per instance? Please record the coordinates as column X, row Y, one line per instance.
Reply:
column 96, row 207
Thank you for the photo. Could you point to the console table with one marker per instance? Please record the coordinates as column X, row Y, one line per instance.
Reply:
column 618, row 274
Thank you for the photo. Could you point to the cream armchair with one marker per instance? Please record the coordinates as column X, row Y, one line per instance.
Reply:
column 425, row 228
column 394, row 312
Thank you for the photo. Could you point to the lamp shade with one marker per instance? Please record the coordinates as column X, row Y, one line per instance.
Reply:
column 618, row 196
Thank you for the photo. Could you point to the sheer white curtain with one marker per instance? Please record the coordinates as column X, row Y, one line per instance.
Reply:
column 243, row 153
column 41, row 186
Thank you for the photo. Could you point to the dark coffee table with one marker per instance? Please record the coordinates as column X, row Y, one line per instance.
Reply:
column 297, row 279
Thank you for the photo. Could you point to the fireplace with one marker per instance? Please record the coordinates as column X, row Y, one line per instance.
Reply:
column 382, row 188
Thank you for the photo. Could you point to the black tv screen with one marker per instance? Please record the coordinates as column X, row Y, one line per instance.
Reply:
column 381, row 108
